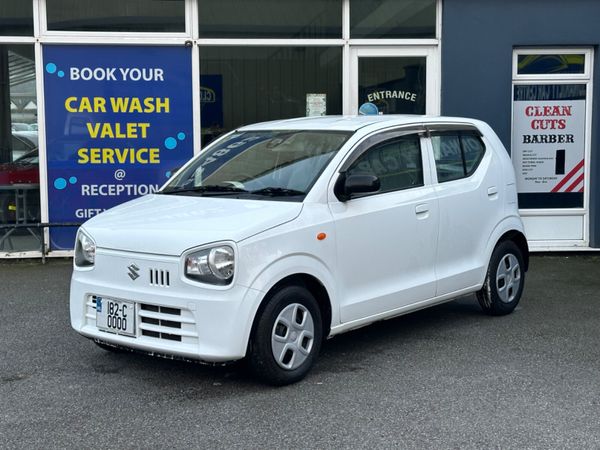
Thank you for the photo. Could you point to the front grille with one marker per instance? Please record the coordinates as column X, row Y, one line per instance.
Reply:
column 160, row 277
column 158, row 322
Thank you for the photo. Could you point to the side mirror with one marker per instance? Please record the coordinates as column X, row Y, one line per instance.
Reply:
column 347, row 186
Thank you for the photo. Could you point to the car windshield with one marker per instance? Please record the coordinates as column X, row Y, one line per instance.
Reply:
column 28, row 158
column 261, row 164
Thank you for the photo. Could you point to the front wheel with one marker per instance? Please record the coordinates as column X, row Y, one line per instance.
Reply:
column 504, row 280
column 287, row 337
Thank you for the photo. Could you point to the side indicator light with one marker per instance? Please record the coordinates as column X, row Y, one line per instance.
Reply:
column 321, row 236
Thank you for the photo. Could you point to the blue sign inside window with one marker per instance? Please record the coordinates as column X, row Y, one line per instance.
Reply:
column 118, row 123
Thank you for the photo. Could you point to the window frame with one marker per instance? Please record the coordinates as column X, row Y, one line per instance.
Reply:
column 95, row 36
column 436, row 26
column 532, row 216
column 206, row 38
column 265, row 44
column 586, row 52
column 35, row 45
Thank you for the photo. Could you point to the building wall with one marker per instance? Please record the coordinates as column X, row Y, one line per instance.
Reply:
column 250, row 61
column 478, row 38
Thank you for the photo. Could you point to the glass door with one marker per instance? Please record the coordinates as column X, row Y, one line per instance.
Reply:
column 551, row 136
column 394, row 81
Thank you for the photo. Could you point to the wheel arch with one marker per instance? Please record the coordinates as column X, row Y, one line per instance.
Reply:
column 314, row 286
column 519, row 239
column 509, row 229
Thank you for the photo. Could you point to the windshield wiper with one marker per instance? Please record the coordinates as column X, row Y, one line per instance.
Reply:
column 277, row 192
column 207, row 189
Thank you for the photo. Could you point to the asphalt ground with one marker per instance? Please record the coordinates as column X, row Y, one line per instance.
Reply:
column 445, row 377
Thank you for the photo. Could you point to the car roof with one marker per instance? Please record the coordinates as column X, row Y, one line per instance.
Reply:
column 352, row 123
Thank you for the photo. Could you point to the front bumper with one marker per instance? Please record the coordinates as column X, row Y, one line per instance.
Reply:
column 173, row 316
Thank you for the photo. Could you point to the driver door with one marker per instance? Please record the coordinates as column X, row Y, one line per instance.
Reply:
column 387, row 240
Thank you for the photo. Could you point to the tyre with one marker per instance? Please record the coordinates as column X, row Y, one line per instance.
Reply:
column 504, row 280
column 287, row 337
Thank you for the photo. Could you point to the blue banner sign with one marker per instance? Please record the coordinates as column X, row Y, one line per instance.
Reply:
column 118, row 123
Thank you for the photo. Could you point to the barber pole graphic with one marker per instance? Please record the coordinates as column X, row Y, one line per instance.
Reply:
column 572, row 181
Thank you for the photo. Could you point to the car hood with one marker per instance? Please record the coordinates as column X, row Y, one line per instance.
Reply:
column 170, row 224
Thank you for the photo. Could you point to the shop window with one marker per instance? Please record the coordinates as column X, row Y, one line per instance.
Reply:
column 304, row 19
column 553, row 64
column 19, row 167
column 16, row 18
column 392, row 19
column 394, row 85
column 116, row 15
column 549, row 144
column 244, row 85
column 549, row 138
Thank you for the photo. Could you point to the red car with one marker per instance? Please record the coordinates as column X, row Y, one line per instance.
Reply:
column 21, row 176
column 24, row 170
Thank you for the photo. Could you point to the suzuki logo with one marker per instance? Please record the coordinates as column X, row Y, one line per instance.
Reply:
column 133, row 272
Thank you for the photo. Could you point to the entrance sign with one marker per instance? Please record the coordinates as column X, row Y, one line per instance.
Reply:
column 118, row 123
column 549, row 137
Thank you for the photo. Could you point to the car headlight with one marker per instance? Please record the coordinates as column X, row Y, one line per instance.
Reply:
column 211, row 265
column 85, row 250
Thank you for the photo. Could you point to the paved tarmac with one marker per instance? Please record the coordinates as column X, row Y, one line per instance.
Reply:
column 446, row 377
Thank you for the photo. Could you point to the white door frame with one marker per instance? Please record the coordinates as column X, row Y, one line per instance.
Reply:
column 432, row 77
column 539, row 219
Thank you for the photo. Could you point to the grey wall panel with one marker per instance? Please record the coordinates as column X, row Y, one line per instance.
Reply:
column 478, row 38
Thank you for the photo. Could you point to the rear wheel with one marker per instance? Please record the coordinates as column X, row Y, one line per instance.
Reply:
column 287, row 337
column 504, row 280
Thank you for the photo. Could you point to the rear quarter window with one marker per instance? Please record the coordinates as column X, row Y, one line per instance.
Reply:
column 457, row 154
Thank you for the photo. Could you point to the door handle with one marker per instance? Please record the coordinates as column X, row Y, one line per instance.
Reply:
column 492, row 191
column 423, row 208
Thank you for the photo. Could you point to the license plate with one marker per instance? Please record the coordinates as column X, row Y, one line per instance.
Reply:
column 115, row 316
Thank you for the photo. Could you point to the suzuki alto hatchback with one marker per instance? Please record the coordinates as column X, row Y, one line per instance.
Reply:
column 281, row 234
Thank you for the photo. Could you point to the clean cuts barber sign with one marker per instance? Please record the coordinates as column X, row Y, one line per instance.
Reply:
column 549, row 137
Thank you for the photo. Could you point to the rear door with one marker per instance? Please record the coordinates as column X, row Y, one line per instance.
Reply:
column 468, row 185
column 386, row 241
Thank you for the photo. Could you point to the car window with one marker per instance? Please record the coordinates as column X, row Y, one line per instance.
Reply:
column 457, row 154
column 264, row 163
column 473, row 150
column 397, row 163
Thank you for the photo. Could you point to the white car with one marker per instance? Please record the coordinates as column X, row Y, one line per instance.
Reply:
column 281, row 234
